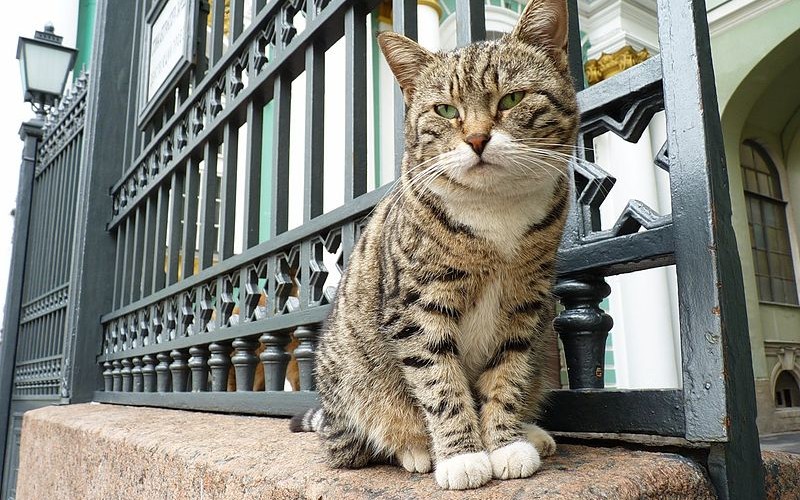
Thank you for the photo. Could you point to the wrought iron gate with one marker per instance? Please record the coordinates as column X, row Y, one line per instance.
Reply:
column 39, row 293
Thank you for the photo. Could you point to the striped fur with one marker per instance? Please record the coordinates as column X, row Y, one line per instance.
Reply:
column 310, row 421
column 438, row 345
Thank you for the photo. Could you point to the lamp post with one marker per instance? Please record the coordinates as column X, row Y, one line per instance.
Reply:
column 44, row 65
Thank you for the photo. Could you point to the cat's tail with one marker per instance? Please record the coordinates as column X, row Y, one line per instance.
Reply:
column 309, row 421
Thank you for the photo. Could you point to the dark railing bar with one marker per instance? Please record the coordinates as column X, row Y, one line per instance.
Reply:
column 126, row 263
column 358, row 207
column 252, row 173
column 50, row 310
column 227, row 195
column 71, row 207
column 278, row 403
column 575, row 50
column 282, row 107
column 175, row 228
column 208, row 193
column 57, row 231
column 137, row 255
column 314, row 169
column 404, row 21
column 277, row 323
column 470, row 21
column 643, row 77
column 189, row 238
column 37, row 360
column 235, row 22
column 150, row 249
column 234, row 108
column 623, row 254
column 159, row 277
column 355, row 107
column 118, row 267
column 217, row 31
column 39, row 297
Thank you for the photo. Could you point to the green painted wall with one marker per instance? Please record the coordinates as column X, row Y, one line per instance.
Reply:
column 85, row 35
column 747, row 59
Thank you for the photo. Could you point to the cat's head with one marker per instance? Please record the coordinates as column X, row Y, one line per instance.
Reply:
column 492, row 117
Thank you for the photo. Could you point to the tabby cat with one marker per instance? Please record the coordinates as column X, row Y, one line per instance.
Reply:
column 435, row 352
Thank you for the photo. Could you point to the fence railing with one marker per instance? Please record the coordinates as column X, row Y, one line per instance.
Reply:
column 203, row 315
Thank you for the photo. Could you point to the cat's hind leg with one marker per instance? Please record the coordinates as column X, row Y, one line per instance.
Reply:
column 345, row 448
column 540, row 439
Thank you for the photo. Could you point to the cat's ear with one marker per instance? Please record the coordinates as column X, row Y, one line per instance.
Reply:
column 544, row 23
column 406, row 58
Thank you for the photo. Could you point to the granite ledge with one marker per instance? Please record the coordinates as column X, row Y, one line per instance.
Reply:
column 108, row 451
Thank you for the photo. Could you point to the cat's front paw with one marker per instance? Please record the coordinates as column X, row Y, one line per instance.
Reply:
column 465, row 471
column 415, row 460
column 515, row 460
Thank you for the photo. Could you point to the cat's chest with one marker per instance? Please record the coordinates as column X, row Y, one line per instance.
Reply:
column 478, row 328
column 504, row 222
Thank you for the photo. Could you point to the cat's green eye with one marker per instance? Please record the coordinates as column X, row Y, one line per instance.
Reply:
column 510, row 100
column 446, row 111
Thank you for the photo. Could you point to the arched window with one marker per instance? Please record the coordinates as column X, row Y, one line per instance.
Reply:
column 769, row 235
column 787, row 394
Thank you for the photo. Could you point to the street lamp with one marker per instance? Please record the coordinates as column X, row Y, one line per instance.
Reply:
column 44, row 64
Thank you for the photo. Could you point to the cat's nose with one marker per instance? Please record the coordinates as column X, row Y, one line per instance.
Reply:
column 477, row 141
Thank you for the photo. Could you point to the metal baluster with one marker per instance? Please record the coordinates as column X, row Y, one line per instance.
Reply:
column 404, row 21
column 149, row 373
column 304, row 354
column 220, row 363
column 208, row 193
column 275, row 359
column 244, row 363
column 198, row 365
column 252, row 171
column 108, row 383
column 127, row 381
column 163, row 375
column 116, row 375
column 180, row 370
column 136, row 373
column 583, row 328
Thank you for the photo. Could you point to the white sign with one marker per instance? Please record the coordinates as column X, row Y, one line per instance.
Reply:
column 167, row 43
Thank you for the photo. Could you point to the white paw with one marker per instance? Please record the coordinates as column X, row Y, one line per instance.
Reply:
column 539, row 437
column 415, row 460
column 461, row 472
column 514, row 460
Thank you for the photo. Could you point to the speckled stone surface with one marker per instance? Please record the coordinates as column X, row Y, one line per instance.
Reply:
column 95, row 451
column 781, row 475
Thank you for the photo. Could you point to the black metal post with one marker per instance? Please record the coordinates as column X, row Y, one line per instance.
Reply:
column 91, row 289
column 30, row 133
column 583, row 328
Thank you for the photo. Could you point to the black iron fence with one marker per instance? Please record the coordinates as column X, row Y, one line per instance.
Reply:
column 39, row 292
column 196, row 314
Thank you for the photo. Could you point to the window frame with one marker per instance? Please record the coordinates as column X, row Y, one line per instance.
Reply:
column 769, row 296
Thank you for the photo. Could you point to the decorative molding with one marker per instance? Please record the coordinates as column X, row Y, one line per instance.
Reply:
column 610, row 25
column 608, row 65
column 735, row 12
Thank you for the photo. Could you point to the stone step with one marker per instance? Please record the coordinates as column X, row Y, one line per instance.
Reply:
column 107, row 451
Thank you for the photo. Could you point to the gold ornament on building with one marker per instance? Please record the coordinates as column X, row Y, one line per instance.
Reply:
column 608, row 65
